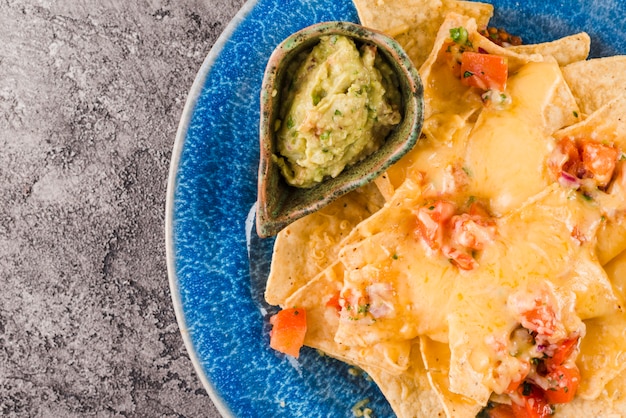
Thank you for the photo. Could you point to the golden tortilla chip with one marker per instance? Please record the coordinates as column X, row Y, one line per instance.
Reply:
column 382, row 259
column 597, row 81
column 564, row 50
column 410, row 394
column 309, row 245
column 414, row 23
column 452, row 109
column 436, row 357
column 396, row 368
column 602, row 355
column 606, row 124
column 537, row 239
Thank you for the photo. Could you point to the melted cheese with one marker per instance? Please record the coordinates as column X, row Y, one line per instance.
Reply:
column 508, row 148
column 393, row 256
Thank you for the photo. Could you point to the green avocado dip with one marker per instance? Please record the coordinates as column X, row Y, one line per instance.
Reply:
column 340, row 104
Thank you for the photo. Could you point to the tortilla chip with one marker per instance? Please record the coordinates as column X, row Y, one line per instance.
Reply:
column 616, row 271
column 396, row 368
column 566, row 50
column 546, row 223
column 383, row 252
column 390, row 262
column 414, row 23
column 410, row 394
column 452, row 109
column 597, row 81
column 602, row 355
column 309, row 245
column 606, row 124
column 436, row 357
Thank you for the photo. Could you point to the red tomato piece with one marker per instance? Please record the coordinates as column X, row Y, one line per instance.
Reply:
column 541, row 319
column 534, row 404
column 288, row 331
column 431, row 221
column 461, row 259
column 473, row 232
column 563, row 352
column 599, row 160
column 501, row 411
column 485, row 71
column 333, row 302
column 477, row 209
column 570, row 157
column 564, row 382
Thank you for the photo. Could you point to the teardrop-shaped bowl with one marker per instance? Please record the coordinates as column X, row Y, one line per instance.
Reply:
column 278, row 203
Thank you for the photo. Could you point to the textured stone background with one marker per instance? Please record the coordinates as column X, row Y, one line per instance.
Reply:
column 90, row 97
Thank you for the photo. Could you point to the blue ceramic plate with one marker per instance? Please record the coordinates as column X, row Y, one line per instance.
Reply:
column 217, row 268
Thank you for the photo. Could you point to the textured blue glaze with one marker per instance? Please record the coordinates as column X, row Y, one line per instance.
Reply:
column 216, row 287
column 542, row 21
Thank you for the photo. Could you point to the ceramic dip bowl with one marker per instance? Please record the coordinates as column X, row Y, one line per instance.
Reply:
column 280, row 203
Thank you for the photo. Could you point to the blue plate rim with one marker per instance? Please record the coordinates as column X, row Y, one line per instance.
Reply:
column 170, row 253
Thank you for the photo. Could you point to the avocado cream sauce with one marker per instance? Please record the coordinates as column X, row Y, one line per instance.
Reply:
column 338, row 106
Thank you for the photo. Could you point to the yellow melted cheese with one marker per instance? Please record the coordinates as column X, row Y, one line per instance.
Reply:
column 508, row 147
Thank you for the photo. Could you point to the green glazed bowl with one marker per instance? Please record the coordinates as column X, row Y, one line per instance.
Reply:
column 278, row 203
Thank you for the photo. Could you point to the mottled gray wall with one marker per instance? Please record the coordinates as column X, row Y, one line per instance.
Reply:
column 90, row 97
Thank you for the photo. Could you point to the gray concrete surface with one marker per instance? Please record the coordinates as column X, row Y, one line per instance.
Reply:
column 90, row 97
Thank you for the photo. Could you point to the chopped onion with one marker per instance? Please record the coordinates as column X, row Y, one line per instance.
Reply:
column 568, row 180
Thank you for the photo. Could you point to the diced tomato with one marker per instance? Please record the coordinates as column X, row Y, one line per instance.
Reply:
column 541, row 318
column 599, row 160
column 473, row 232
column 288, row 331
column 333, row 302
column 477, row 209
column 564, row 381
column 584, row 159
column 501, row 411
column 563, row 352
column 533, row 404
column 514, row 385
column 570, row 156
column 485, row 71
column 431, row 220
column 461, row 259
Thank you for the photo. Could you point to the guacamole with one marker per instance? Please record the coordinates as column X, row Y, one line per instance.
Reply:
column 339, row 104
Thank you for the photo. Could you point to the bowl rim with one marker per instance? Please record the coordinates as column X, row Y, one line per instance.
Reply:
column 274, row 215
